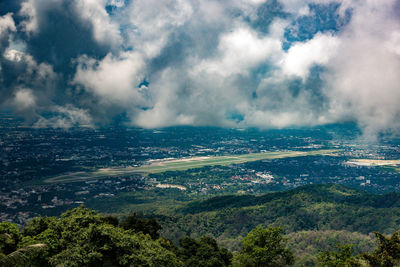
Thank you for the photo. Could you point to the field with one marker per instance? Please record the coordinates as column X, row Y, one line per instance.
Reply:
column 373, row 162
column 157, row 166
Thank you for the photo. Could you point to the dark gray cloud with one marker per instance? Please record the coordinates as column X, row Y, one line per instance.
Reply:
column 62, row 34
column 10, row 7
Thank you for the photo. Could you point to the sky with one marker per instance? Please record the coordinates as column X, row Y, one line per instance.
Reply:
column 230, row 63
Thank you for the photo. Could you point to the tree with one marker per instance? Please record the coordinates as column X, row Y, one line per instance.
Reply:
column 387, row 253
column 9, row 237
column 203, row 252
column 145, row 226
column 106, row 245
column 111, row 220
column 343, row 256
column 81, row 237
column 37, row 225
column 23, row 256
column 264, row 247
column 87, row 239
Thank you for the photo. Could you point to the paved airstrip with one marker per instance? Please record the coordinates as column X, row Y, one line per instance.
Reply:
column 157, row 166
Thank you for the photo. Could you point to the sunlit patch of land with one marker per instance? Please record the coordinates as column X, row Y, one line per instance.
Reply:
column 157, row 166
column 373, row 162
column 180, row 187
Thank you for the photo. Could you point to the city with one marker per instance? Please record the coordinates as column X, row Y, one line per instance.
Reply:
column 30, row 156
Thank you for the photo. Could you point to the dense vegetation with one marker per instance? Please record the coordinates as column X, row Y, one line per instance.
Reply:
column 315, row 208
column 326, row 225
column 82, row 237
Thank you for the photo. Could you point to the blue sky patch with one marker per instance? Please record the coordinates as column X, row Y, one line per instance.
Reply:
column 322, row 18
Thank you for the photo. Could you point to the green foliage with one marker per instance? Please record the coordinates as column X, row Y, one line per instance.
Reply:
column 106, row 245
column 203, row 252
column 167, row 244
column 306, row 245
column 318, row 217
column 82, row 237
column 23, row 256
column 16, row 250
column 341, row 257
column 37, row 225
column 145, row 226
column 387, row 253
column 111, row 220
column 309, row 208
column 264, row 247
column 9, row 237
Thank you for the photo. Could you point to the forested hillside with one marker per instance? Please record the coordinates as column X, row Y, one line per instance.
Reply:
column 325, row 225
column 309, row 208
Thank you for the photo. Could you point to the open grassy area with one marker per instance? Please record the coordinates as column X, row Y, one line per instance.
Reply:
column 157, row 166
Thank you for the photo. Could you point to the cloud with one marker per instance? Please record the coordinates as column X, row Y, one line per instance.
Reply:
column 30, row 12
column 7, row 26
column 114, row 79
column 55, row 32
column 23, row 82
column 65, row 118
column 24, row 99
column 363, row 79
column 150, row 23
column 240, row 50
column 7, row 23
column 233, row 63
column 302, row 56
column 104, row 29
column 37, row 12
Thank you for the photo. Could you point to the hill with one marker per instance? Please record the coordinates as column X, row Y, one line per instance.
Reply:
column 323, row 210
column 332, row 193
column 316, row 219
